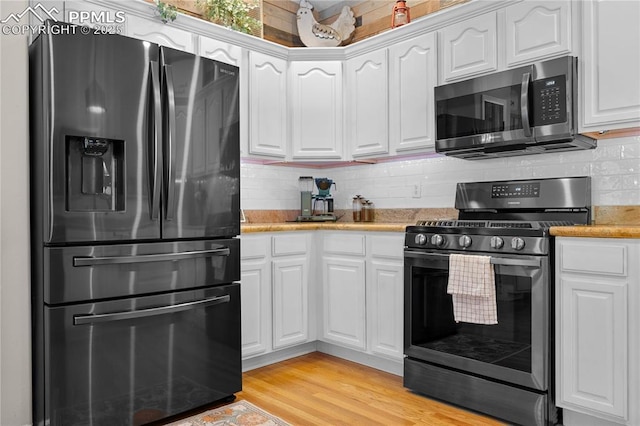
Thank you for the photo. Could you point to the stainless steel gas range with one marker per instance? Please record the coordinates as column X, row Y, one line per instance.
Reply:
column 504, row 369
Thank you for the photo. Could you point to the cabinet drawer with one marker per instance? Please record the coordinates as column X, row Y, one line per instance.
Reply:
column 253, row 247
column 606, row 259
column 286, row 245
column 345, row 243
column 387, row 246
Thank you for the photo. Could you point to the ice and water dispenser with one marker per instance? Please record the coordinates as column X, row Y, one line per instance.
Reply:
column 94, row 174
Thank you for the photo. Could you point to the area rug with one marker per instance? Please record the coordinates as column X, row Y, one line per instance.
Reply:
column 240, row 413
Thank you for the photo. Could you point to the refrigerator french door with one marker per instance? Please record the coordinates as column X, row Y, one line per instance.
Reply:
column 135, row 210
column 132, row 141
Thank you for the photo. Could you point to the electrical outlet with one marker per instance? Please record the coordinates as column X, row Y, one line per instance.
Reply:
column 416, row 190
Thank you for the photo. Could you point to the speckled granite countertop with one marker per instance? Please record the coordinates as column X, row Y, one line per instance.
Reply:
column 247, row 228
column 597, row 231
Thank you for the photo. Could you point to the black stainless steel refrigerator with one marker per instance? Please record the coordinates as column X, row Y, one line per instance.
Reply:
column 135, row 213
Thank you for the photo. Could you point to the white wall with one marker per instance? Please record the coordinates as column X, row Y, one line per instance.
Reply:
column 15, row 303
column 614, row 167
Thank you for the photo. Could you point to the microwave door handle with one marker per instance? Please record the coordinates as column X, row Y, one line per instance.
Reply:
column 170, row 136
column 524, row 103
column 89, row 319
column 157, row 138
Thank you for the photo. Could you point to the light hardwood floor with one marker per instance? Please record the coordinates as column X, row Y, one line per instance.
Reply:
column 319, row 389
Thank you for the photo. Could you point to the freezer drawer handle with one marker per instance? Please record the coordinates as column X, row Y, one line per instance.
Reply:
column 164, row 257
column 115, row 316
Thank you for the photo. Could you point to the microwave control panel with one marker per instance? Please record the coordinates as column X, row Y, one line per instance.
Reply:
column 550, row 101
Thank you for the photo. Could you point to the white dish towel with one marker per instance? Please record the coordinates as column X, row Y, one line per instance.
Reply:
column 472, row 284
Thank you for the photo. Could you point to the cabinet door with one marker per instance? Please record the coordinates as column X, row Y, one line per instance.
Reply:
column 220, row 51
column 385, row 307
column 233, row 55
column 343, row 297
column 596, row 327
column 316, row 102
column 368, row 100
column 412, row 76
column 162, row 34
column 594, row 347
column 255, row 293
column 611, row 64
column 469, row 47
column 537, row 29
column 290, row 302
column 268, row 105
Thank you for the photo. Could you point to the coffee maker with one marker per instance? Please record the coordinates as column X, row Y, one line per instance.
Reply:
column 316, row 207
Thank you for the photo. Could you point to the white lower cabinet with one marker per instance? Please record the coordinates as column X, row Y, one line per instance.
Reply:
column 255, row 295
column 385, row 294
column 275, row 291
column 290, row 289
column 349, row 296
column 343, row 297
column 362, row 285
column 598, row 330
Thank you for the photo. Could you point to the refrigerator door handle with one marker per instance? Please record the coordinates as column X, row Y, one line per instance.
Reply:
column 170, row 135
column 80, row 261
column 89, row 319
column 157, row 137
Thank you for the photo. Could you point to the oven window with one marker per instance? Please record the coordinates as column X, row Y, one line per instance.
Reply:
column 506, row 344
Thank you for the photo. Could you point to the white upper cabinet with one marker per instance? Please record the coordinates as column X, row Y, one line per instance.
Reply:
column 267, row 105
column 469, row 47
column 157, row 32
column 232, row 55
column 413, row 74
column 610, row 65
column 316, row 110
column 367, row 97
column 220, row 51
column 519, row 34
column 537, row 29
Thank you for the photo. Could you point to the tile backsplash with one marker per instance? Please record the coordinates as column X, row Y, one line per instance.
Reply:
column 430, row 182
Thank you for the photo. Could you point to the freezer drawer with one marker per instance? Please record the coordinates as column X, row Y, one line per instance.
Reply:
column 108, row 363
column 89, row 273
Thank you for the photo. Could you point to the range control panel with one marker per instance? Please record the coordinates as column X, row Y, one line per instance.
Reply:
column 516, row 190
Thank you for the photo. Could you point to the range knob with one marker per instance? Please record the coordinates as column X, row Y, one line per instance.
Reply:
column 421, row 239
column 437, row 240
column 464, row 241
column 517, row 243
column 496, row 242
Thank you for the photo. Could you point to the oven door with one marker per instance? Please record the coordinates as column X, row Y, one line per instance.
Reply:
column 515, row 350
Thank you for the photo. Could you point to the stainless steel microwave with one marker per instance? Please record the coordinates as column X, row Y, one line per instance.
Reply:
column 526, row 110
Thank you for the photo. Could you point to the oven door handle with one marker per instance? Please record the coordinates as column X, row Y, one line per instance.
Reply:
column 161, row 310
column 503, row 261
column 110, row 260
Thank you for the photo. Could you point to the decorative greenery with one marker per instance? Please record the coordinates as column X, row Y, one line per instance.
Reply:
column 167, row 12
column 232, row 14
